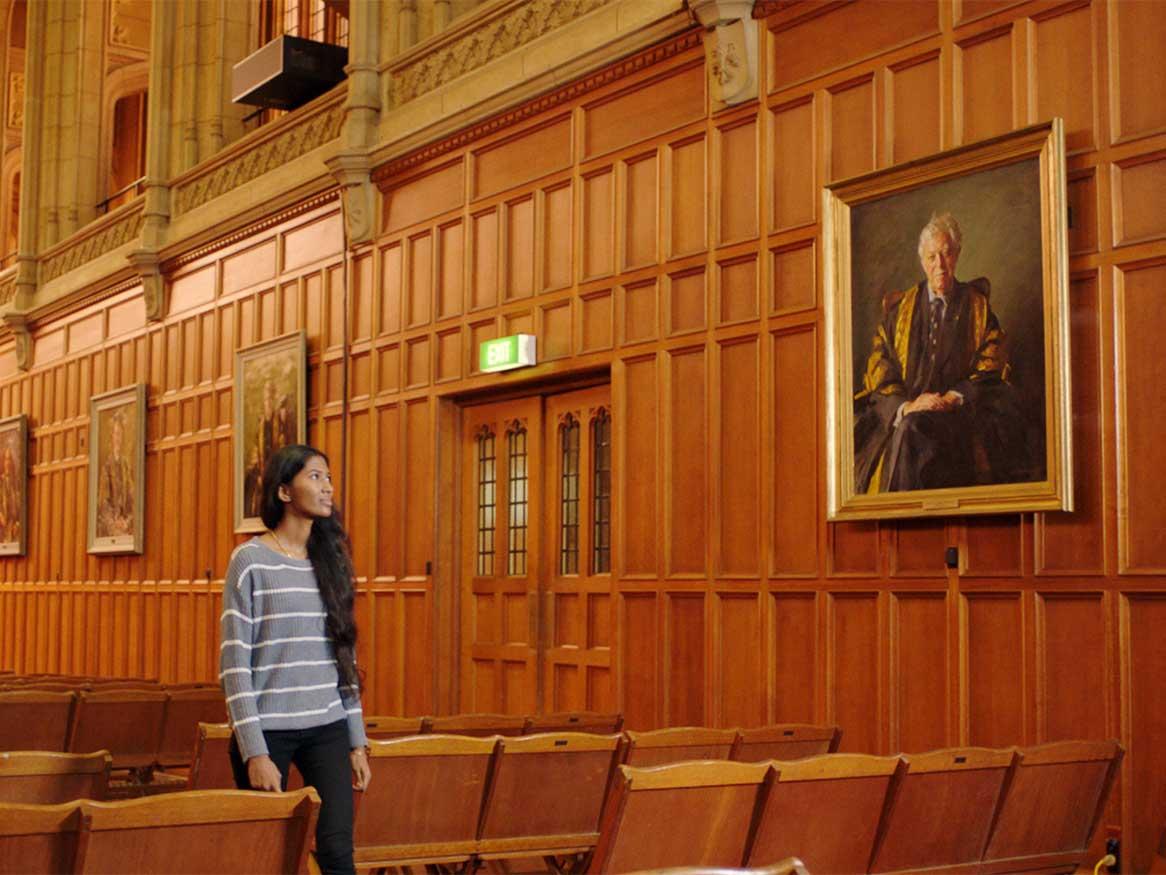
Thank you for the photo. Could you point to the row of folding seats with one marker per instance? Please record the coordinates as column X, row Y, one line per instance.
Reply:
column 972, row 809
column 140, row 728
column 213, row 831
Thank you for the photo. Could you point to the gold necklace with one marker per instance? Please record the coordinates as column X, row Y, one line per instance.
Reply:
column 285, row 550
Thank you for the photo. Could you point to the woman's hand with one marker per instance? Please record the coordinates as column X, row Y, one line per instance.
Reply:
column 263, row 774
column 361, row 773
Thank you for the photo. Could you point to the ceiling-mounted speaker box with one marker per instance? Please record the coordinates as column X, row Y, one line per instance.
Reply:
column 288, row 72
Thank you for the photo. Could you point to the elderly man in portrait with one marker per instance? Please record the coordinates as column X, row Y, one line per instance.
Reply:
column 936, row 409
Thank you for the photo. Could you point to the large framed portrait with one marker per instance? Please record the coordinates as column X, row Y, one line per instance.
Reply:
column 947, row 333
column 13, row 485
column 117, row 470
column 271, row 411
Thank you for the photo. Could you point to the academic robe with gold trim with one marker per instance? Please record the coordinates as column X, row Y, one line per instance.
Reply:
column 982, row 441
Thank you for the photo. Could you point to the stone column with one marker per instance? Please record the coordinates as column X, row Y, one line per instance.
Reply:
column 350, row 166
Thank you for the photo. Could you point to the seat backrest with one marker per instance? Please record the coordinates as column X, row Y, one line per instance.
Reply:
column 35, row 720
column 785, row 741
column 826, row 811
column 476, row 724
column 35, row 777
column 574, row 721
column 548, row 791
column 127, row 723
column 106, row 684
column 424, row 801
column 211, row 767
column 1055, row 799
column 684, row 814
column 38, row 838
column 227, row 831
column 185, row 709
column 393, row 727
column 678, row 744
column 943, row 809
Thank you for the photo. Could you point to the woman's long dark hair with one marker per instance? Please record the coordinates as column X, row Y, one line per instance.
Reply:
column 330, row 553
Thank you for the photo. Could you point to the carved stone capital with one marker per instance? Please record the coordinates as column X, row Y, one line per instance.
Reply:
column 148, row 266
column 352, row 171
column 730, row 49
column 18, row 324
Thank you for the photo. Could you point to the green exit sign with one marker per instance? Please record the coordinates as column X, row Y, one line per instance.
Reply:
column 505, row 353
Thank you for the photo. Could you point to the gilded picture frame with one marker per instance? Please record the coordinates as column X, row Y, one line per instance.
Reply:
column 947, row 325
column 14, row 485
column 117, row 470
column 271, row 411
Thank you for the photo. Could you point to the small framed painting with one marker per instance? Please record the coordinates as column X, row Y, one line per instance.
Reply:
column 13, row 485
column 117, row 470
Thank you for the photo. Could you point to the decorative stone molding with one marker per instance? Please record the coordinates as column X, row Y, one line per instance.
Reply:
column 655, row 55
column 7, row 287
column 357, row 195
column 154, row 288
column 17, row 323
column 246, row 160
column 16, row 99
column 477, row 42
column 730, row 49
column 765, row 8
column 102, row 236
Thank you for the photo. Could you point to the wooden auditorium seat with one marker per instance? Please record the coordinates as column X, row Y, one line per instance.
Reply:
column 37, row 777
column 127, row 723
column 681, row 743
column 424, row 801
column 788, row 866
column 184, row 711
column 574, row 721
column 102, row 685
column 1052, row 806
column 785, row 741
column 211, row 767
column 35, row 720
column 480, row 725
column 683, row 814
column 546, row 795
column 826, row 811
column 221, row 831
column 943, row 809
column 38, row 838
column 384, row 728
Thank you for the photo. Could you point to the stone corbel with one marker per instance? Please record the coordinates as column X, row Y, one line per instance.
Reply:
column 730, row 46
column 149, row 268
column 351, row 170
column 18, row 324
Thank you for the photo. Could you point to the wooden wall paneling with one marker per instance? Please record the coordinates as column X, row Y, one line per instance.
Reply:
column 1074, row 543
column 637, row 447
column 419, row 270
column 795, row 452
column 851, row 108
column 994, row 678
column 392, row 286
column 993, row 546
column 519, row 248
column 646, row 109
column 1139, row 185
column 686, row 454
column 1063, row 85
column 557, row 229
column 804, row 43
column 736, row 142
column 856, row 666
column 685, row 300
column 793, row 159
column 1073, row 668
column 431, row 192
column 555, row 329
column 597, row 225
column 532, row 153
column 1136, row 78
column 736, row 449
column 638, row 311
column 738, row 682
column 738, row 287
column 914, row 111
column 639, row 659
column 917, row 547
column 1141, row 369
column 686, row 196
column 1083, row 213
column 685, row 659
column 793, row 277
column 984, row 88
column 1143, row 786
column 795, row 674
column 639, row 200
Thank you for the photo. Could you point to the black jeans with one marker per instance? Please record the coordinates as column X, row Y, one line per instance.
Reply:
column 321, row 755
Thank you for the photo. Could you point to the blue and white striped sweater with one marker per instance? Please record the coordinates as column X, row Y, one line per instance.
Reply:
column 276, row 662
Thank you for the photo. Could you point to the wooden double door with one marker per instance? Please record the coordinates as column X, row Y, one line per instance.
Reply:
column 537, row 518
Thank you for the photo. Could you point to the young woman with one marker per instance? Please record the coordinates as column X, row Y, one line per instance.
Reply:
column 288, row 654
